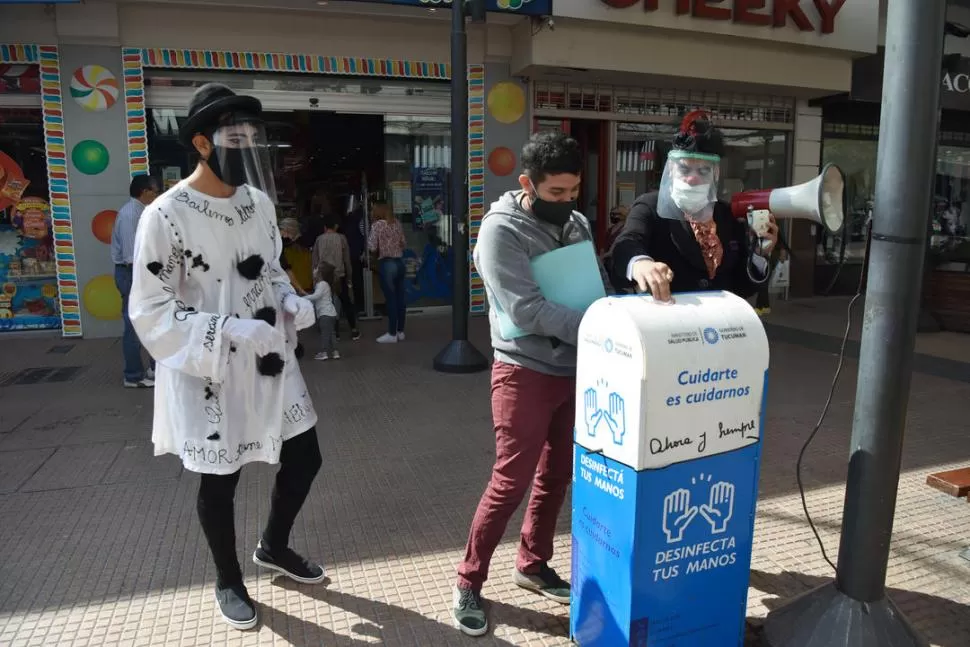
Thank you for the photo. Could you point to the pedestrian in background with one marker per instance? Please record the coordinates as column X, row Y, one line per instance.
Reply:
column 143, row 191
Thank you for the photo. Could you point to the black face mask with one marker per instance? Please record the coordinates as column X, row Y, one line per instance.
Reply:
column 228, row 164
column 555, row 213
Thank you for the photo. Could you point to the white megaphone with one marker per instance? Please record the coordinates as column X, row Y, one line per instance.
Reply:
column 820, row 200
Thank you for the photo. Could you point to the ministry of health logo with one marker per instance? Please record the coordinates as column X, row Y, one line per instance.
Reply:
column 711, row 336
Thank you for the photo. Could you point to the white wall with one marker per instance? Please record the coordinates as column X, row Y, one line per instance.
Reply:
column 247, row 29
column 631, row 49
column 856, row 23
column 27, row 24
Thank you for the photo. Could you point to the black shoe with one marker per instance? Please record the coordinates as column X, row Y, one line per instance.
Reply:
column 289, row 563
column 355, row 334
column 467, row 612
column 546, row 582
column 237, row 607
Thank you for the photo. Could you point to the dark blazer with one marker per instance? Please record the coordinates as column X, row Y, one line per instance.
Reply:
column 672, row 242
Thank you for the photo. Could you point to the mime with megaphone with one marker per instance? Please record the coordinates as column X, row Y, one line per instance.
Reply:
column 681, row 238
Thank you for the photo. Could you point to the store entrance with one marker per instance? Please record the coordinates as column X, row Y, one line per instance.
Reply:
column 342, row 165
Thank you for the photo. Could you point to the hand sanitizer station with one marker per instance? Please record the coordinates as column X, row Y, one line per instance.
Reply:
column 670, row 405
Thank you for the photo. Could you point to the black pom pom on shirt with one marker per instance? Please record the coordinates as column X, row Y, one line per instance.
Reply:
column 267, row 314
column 270, row 365
column 251, row 267
column 155, row 268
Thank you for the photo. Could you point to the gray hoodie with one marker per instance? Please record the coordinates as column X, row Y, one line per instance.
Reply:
column 509, row 238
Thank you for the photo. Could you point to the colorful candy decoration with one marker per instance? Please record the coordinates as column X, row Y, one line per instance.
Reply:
column 501, row 161
column 94, row 88
column 506, row 102
column 476, row 179
column 90, row 157
column 12, row 182
column 102, row 299
column 102, row 224
column 206, row 59
column 134, row 78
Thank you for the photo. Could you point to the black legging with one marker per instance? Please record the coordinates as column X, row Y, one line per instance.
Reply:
column 299, row 463
column 349, row 310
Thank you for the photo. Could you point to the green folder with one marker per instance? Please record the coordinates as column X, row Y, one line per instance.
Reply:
column 569, row 276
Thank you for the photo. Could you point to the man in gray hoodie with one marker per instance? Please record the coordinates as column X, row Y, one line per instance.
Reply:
column 533, row 377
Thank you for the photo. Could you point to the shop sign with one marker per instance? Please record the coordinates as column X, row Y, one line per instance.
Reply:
column 524, row 7
column 867, row 75
column 763, row 13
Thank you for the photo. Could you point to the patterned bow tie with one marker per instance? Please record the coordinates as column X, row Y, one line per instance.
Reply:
column 711, row 248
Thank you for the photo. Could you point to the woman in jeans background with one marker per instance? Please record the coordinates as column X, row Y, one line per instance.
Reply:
column 387, row 241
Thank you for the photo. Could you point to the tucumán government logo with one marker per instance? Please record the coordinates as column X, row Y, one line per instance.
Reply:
column 711, row 336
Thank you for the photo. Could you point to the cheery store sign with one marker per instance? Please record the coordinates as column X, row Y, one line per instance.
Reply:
column 764, row 13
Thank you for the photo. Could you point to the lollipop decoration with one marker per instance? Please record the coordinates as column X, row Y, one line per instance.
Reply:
column 94, row 87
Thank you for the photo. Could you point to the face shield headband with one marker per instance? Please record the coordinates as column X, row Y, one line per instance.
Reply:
column 241, row 153
column 688, row 186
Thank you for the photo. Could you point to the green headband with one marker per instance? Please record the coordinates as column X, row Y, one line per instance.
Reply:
column 681, row 154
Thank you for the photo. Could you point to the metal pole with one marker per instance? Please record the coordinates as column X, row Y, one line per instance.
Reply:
column 856, row 610
column 459, row 169
column 459, row 356
column 905, row 171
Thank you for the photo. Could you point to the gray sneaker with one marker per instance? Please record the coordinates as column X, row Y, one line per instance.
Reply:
column 467, row 612
column 546, row 583
column 143, row 383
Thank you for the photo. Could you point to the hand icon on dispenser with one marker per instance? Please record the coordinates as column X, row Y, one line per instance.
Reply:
column 616, row 417
column 591, row 412
column 720, row 508
column 678, row 513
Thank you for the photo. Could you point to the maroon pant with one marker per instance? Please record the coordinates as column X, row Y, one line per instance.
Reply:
column 533, row 418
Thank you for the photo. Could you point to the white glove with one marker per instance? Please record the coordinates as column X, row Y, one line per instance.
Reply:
column 254, row 334
column 301, row 310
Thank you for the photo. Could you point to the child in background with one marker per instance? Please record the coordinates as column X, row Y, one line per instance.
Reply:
column 326, row 310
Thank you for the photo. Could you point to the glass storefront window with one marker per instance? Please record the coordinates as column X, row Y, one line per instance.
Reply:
column 950, row 238
column 950, row 210
column 857, row 159
column 28, row 274
column 417, row 158
column 754, row 159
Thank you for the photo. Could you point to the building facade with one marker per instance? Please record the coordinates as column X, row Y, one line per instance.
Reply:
column 850, row 137
column 357, row 99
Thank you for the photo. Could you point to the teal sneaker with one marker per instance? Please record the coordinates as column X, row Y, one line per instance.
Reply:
column 467, row 612
column 546, row 583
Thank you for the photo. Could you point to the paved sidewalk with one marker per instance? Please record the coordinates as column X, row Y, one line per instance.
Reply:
column 102, row 545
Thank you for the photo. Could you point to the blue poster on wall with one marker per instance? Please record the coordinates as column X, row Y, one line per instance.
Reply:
column 429, row 267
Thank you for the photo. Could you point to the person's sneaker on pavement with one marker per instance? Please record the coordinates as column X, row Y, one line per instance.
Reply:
column 322, row 356
column 387, row 338
column 150, row 374
column 355, row 334
column 143, row 383
column 545, row 582
column 289, row 563
column 236, row 606
column 335, row 355
column 467, row 612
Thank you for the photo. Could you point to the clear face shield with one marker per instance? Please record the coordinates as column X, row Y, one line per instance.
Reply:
column 241, row 154
column 688, row 186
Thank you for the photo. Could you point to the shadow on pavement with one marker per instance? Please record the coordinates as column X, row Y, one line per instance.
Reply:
column 938, row 619
column 393, row 625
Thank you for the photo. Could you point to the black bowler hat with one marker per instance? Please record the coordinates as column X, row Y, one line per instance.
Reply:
column 208, row 103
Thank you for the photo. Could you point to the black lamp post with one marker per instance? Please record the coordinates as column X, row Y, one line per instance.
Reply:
column 460, row 355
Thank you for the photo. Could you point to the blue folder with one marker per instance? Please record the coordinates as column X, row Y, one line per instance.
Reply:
column 569, row 276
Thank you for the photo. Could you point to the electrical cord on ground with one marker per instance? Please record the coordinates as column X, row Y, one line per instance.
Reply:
column 828, row 401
